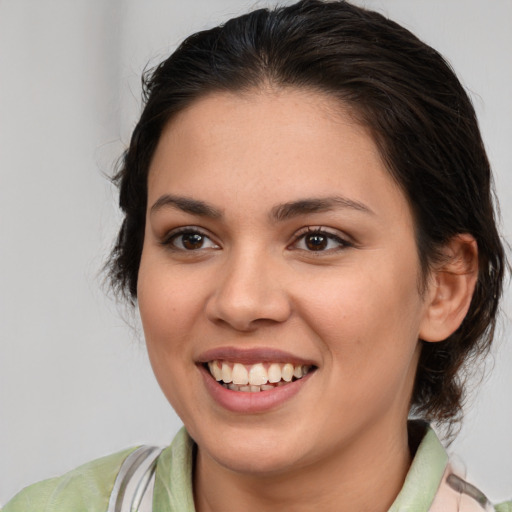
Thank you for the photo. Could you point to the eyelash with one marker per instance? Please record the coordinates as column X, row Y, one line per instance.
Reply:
column 322, row 232
column 170, row 239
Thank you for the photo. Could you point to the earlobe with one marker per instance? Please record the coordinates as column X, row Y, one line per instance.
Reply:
column 450, row 289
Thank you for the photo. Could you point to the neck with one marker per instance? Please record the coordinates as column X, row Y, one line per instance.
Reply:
column 365, row 475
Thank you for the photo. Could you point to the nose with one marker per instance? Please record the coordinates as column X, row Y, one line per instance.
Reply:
column 250, row 292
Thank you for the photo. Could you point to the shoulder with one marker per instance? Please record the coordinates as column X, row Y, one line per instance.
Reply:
column 86, row 488
column 434, row 484
column 455, row 493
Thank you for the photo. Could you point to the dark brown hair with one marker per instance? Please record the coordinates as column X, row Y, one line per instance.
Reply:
column 402, row 90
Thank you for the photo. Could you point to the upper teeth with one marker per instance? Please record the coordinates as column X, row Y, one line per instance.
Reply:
column 257, row 374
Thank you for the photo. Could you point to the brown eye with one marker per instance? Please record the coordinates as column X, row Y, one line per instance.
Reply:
column 316, row 241
column 321, row 241
column 192, row 241
column 189, row 240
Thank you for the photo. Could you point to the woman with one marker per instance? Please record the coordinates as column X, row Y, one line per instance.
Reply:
column 309, row 235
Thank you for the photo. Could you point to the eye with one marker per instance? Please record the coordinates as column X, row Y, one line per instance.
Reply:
column 319, row 240
column 189, row 239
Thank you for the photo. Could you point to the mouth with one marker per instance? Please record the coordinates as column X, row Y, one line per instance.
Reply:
column 257, row 377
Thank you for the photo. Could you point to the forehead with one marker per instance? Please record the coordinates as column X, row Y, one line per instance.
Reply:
column 269, row 146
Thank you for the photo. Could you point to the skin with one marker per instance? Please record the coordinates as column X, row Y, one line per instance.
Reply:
column 353, row 308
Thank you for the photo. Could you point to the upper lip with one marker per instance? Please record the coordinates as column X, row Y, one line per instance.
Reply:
column 252, row 356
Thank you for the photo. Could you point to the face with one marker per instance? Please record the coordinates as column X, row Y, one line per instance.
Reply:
column 278, row 286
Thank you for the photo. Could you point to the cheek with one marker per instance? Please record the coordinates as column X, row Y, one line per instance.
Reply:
column 169, row 302
column 167, row 310
column 366, row 317
column 366, row 326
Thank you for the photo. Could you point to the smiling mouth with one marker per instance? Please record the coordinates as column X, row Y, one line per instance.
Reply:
column 256, row 377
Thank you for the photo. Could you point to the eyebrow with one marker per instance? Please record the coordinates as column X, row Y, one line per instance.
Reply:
column 187, row 205
column 279, row 213
column 292, row 209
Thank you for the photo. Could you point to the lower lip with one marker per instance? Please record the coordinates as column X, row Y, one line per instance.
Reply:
column 247, row 402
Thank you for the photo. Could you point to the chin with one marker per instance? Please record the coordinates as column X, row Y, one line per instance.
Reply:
column 252, row 451
column 255, row 462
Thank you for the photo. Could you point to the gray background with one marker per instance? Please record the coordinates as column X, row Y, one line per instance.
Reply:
column 75, row 382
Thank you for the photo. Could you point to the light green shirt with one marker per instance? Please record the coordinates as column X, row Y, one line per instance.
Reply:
column 88, row 488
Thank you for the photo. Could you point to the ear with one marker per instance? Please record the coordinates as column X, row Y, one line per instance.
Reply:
column 450, row 289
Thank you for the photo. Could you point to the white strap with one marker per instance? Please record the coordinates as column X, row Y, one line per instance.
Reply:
column 133, row 488
column 457, row 495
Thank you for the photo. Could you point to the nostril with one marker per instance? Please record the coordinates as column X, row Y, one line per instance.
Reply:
column 248, row 315
column 248, row 293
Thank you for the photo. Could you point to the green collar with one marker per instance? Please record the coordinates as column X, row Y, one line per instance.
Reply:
column 173, row 480
column 424, row 476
